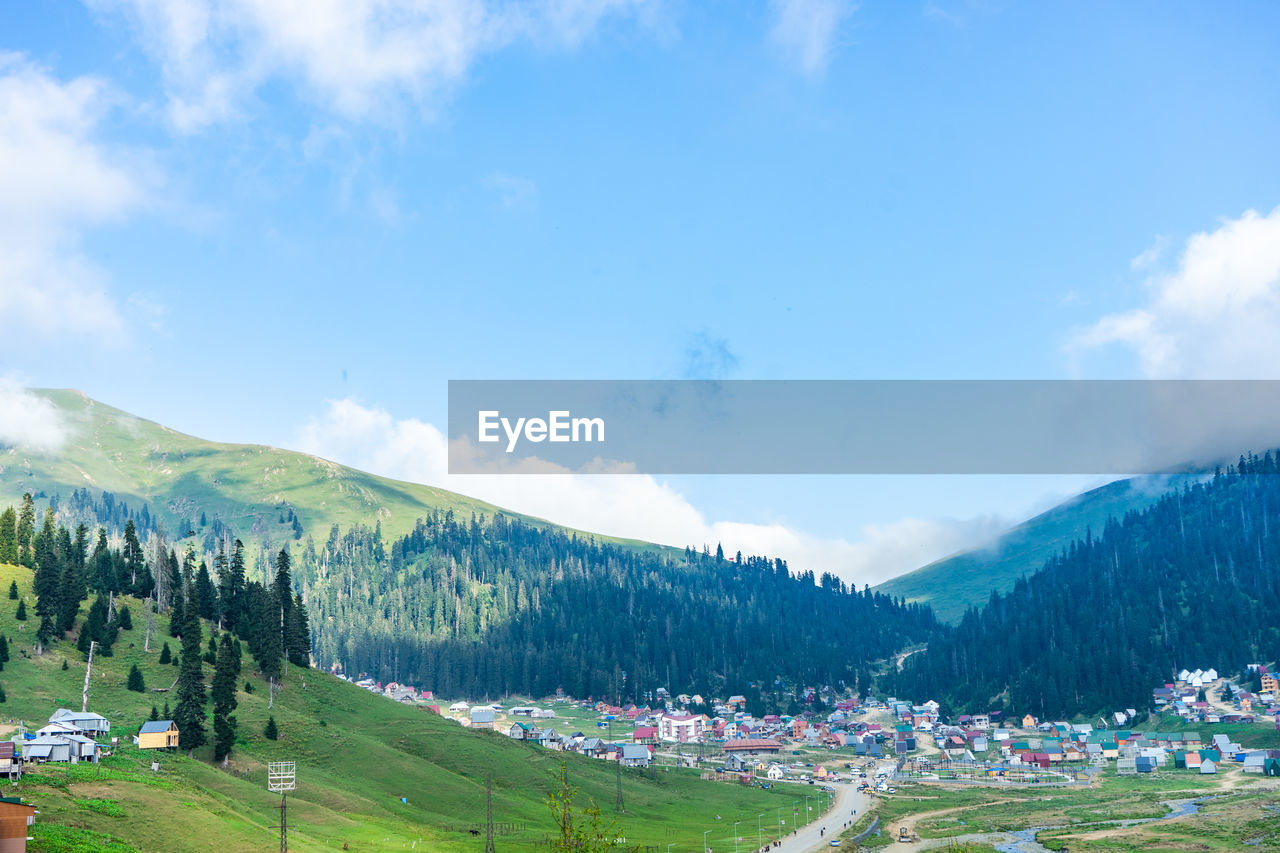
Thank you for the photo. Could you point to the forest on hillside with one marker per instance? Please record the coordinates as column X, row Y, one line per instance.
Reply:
column 1193, row 581
column 489, row 607
column 70, row 566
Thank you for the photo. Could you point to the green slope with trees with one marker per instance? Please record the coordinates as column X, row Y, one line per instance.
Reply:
column 954, row 584
column 358, row 754
column 1193, row 581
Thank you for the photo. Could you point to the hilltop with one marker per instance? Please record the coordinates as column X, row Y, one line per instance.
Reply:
column 250, row 488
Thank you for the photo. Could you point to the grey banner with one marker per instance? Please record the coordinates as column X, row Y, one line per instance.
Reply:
column 856, row 427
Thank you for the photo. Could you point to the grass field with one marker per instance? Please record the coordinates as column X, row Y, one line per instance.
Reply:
column 1246, row 809
column 357, row 755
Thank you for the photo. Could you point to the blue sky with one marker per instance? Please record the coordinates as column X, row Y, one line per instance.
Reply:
column 292, row 222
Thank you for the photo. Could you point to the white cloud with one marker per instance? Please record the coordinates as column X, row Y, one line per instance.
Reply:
column 28, row 421
column 355, row 57
column 55, row 180
column 804, row 30
column 513, row 191
column 1216, row 315
column 637, row 507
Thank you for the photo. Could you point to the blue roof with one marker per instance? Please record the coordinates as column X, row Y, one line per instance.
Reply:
column 155, row 727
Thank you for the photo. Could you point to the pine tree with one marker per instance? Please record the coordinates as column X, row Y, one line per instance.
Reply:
column 271, row 732
column 206, row 593
column 3, row 698
column 283, row 591
column 22, row 611
column 13, row 590
column 190, row 714
column 167, row 715
column 4, row 649
column 47, row 582
column 224, row 699
column 177, row 598
column 136, row 683
column 155, row 714
column 165, row 654
column 298, row 634
column 124, row 618
column 8, row 536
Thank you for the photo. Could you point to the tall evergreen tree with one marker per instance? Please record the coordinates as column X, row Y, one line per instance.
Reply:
column 8, row 536
column 135, row 682
column 206, row 593
column 298, row 634
column 190, row 713
column 47, row 583
column 224, row 699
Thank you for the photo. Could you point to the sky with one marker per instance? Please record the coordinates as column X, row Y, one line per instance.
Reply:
column 293, row 221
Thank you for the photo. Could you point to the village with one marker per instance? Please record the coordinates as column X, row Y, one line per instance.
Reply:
column 850, row 735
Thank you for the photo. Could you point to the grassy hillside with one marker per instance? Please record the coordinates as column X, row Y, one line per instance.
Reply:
column 954, row 584
column 180, row 477
column 357, row 755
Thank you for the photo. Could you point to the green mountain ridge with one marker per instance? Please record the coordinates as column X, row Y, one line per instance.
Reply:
column 245, row 486
column 954, row 584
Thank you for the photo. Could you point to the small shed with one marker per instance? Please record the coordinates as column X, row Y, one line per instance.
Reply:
column 1207, row 767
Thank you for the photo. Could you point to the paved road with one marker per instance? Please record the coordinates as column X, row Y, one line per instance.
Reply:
column 810, row 838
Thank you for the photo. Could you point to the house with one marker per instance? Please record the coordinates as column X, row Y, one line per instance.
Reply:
column 1029, row 722
column 736, row 763
column 519, row 731
column 645, row 735
column 10, row 760
column 459, row 707
column 84, row 723
column 482, row 718
column 591, row 747
column 61, row 749
column 1270, row 684
column 158, row 734
column 776, row 772
column 16, row 818
column 1207, row 767
column 635, row 755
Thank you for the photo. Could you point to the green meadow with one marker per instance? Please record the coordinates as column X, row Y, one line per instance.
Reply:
column 358, row 754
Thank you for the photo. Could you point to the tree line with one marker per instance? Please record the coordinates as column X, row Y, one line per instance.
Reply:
column 1192, row 581
column 489, row 607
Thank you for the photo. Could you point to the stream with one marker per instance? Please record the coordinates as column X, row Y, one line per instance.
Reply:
column 1024, row 840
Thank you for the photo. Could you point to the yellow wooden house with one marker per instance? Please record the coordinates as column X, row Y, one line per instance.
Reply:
column 158, row 734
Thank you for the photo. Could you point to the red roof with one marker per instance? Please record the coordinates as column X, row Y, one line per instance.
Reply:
column 643, row 732
column 750, row 744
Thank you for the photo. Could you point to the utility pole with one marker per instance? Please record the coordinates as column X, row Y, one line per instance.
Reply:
column 84, row 697
column 488, row 813
column 621, row 808
column 282, row 777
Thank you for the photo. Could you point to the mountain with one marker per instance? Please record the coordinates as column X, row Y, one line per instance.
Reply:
column 245, row 490
column 1192, row 581
column 357, row 753
column 420, row 585
column 954, row 584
